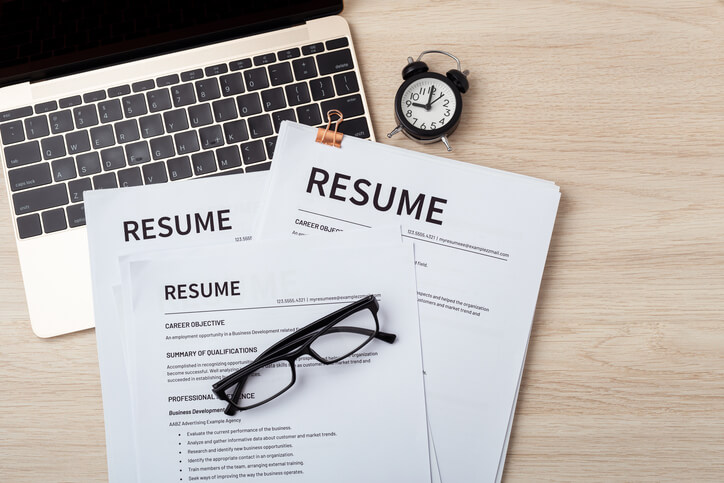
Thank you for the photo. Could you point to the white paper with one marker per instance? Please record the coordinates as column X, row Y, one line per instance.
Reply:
column 481, row 239
column 357, row 421
column 106, row 212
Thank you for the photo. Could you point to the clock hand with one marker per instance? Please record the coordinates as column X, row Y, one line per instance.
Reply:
column 433, row 102
column 427, row 106
column 416, row 104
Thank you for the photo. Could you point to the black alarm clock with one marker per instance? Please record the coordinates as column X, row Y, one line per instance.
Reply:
column 428, row 105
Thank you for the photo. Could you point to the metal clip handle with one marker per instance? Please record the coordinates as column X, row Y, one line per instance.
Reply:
column 325, row 136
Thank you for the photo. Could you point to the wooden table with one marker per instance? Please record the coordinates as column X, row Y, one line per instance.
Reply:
column 622, row 105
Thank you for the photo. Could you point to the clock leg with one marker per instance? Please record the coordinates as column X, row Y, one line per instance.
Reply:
column 394, row 131
column 446, row 143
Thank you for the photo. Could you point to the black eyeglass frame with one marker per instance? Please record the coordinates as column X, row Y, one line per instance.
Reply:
column 297, row 345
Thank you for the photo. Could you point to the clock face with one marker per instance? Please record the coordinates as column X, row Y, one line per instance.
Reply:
column 429, row 103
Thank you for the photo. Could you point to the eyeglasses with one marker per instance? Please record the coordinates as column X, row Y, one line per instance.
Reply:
column 330, row 339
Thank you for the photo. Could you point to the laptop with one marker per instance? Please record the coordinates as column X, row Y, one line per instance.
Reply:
column 98, row 95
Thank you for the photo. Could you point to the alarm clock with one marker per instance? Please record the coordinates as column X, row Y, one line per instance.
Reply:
column 428, row 105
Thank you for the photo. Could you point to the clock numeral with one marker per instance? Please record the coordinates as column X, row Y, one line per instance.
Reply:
column 414, row 121
column 442, row 121
column 408, row 103
column 433, row 125
column 409, row 113
column 415, row 96
column 422, row 126
column 446, row 103
column 447, row 112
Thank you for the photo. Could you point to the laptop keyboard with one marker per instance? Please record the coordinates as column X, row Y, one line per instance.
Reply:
column 219, row 119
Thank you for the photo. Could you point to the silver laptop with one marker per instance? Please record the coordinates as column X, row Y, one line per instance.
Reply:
column 113, row 94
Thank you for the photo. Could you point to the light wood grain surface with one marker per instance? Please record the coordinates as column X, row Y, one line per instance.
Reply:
column 622, row 105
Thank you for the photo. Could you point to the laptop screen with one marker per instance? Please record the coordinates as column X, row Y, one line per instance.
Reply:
column 48, row 38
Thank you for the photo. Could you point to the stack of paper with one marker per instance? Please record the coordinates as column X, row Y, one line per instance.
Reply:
column 480, row 239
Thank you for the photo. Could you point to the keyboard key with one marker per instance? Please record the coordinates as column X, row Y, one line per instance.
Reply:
column 77, row 188
column 179, row 168
column 249, row 104
column 346, row 83
column 288, row 54
column 235, row 131
column 112, row 158
column 321, row 88
column 159, row 100
column 224, row 110
column 54, row 220
column 138, row 153
column 259, row 167
column 183, row 95
column 216, row 70
column 297, row 94
column 207, row 89
column 313, row 48
column 200, row 115
column 265, row 59
column 76, row 215
column 270, row 143
column 211, row 137
column 102, row 137
column 22, row 154
column 167, row 80
column 29, row 177
column 240, row 64
column 94, row 96
column 192, row 75
column 175, row 120
column 350, row 106
column 127, row 131
column 280, row 74
column 105, row 181
column 130, row 177
column 186, row 142
column 253, row 152
column 40, row 199
column 162, row 147
column 151, row 125
column 134, row 105
column 88, row 163
column 309, row 114
column 304, row 68
column 42, row 107
column 36, row 127
column 336, row 61
column 119, row 91
column 12, row 132
column 337, row 43
column 29, row 226
column 13, row 114
column 77, row 142
column 143, row 85
column 70, row 102
column 85, row 116
column 260, row 126
column 63, row 169
column 203, row 163
column 356, row 127
column 110, row 110
column 285, row 115
column 231, row 84
column 256, row 79
column 53, row 147
column 228, row 157
column 61, row 121
column 154, row 173
column 273, row 99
